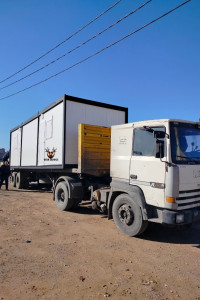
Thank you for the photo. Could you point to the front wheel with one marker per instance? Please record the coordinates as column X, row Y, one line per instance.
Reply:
column 127, row 216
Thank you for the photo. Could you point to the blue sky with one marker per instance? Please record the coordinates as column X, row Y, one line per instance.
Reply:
column 155, row 73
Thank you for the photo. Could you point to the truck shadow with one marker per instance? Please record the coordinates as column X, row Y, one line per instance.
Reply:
column 86, row 209
column 155, row 232
column 32, row 189
column 159, row 233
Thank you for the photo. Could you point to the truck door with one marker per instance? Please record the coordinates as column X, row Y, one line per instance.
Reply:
column 146, row 170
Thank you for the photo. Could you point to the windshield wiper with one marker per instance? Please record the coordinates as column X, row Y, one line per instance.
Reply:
column 185, row 157
column 192, row 159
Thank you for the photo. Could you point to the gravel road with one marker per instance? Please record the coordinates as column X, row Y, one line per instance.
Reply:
column 49, row 254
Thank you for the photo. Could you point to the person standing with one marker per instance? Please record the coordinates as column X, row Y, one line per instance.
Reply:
column 5, row 173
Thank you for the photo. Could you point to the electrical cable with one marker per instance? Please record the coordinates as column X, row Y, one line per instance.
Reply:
column 79, row 46
column 98, row 52
column 67, row 39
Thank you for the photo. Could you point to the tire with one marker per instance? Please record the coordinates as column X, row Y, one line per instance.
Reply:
column 13, row 179
column 127, row 216
column 18, row 181
column 76, row 203
column 21, row 181
column 25, row 183
column 62, row 196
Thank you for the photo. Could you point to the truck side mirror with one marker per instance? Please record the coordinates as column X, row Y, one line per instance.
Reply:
column 159, row 148
column 159, row 134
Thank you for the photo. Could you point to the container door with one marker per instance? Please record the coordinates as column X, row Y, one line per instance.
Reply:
column 29, row 144
column 50, row 148
column 15, row 148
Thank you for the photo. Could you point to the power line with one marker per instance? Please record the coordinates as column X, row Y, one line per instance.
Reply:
column 67, row 39
column 79, row 46
column 98, row 52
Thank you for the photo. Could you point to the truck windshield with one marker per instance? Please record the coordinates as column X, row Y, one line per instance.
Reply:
column 185, row 143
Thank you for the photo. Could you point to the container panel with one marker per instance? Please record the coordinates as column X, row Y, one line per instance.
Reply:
column 77, row 113
column 50, row 144
column 15, row 148
column 94, row 150
column 29, row 144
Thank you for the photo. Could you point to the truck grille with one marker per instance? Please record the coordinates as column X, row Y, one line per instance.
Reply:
column 188, row 199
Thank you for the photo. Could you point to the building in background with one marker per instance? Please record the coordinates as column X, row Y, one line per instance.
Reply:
column 2, row 154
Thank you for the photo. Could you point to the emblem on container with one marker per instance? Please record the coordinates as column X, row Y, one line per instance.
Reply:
column 50, row 154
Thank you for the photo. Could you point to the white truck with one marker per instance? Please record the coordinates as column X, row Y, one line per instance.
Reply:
column 137, row 173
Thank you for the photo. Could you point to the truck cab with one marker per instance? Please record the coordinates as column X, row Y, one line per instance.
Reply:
column 156, row 166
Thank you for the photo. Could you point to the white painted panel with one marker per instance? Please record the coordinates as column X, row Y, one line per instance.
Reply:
column 29, row 143
column 121, row 150
column 41, row 142
column 153, row 196
column 15, row 148
column 50, row 144
column 77, row 113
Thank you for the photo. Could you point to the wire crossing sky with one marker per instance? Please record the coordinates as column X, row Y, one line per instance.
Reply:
column 105, row 48
column 64, row 41
column 155, row 73
column 79, row 46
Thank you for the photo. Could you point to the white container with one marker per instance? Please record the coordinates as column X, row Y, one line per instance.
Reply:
column 50, row 138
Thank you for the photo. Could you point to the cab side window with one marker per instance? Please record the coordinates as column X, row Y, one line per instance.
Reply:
column 144, row 142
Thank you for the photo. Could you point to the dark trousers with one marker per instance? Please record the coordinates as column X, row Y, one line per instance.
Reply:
column 4, row 178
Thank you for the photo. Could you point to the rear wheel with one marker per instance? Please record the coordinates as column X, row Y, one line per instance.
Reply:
column 62, row 196
column 127, row 216
column 13, row 179
column 21, row 180
column 18, row 181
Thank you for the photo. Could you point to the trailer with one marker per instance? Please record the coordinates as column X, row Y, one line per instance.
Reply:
column 46, row 146
column 136, row 173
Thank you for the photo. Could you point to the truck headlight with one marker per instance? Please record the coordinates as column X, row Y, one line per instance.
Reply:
column 179, row 219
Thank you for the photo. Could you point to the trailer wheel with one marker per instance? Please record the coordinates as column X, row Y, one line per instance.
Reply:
column 18, row 181
column 21, row 181
column 25, row 183
column 127, row 216
column 62, row 196
column 75, row 203
column 13, row 179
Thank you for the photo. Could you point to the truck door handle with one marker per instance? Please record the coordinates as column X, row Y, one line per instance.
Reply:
column 133, row 176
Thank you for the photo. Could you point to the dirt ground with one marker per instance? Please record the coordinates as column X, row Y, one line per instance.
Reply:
column 50, row 254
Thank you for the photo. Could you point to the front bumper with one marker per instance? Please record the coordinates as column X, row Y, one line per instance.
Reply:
column 189, row 216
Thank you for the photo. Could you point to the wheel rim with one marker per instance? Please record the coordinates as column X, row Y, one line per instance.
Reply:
column 61, row 197
column 126, row 215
